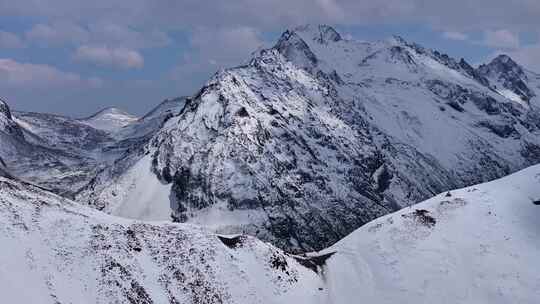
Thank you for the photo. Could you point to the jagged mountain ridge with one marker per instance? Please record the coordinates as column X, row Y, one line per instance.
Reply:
column 29, row 156
column 64, row 154
column 509, row 79
column 318, row 135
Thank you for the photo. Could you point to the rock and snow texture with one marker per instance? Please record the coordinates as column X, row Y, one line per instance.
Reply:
column 56, row 251
column 509, row 79
column 128, row 186
column 34, row 157
column 312, row 139
column 65, row 154
column 319, row 135
column 474, row 245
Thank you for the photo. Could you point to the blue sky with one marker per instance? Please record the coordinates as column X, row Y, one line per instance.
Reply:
column 74, row 57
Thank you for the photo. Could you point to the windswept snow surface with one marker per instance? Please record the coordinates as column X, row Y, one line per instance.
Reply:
column 474, row 245
column 140, row 194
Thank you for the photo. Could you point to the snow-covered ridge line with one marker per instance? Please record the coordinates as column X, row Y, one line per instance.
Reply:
column 63, row 252
column 478, row 244
column 64, row 154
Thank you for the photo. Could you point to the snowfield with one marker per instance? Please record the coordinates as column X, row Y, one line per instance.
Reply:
column 474, row 245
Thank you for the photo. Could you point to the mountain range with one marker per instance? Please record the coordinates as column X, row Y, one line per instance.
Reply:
column 318, row 135
column 321, row 146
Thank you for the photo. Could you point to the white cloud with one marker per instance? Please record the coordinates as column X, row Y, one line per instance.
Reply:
column 116, row 57
column 212, row 49
column 60, row 33
column 10, row 40
column 452, row 35
column 501, row 39
column 463, row 15
column 14, row 74
column 124, row 36
column 225, row 46
column 57, row 33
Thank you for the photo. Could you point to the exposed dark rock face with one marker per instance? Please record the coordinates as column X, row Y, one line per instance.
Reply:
column 505, row 73
column 300, row 147
column 275, row 161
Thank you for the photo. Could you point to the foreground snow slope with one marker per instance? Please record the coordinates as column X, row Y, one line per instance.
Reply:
column 57, row 251
column 479, row 245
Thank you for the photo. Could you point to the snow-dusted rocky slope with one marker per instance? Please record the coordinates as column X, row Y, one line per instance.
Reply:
column 475, row 245
column 128, row 187
column 64, row 154
column 57, row 251
column 33, row 157
column 319, row 135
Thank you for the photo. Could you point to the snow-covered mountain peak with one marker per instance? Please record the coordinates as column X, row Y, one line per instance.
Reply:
column 503, row 66
column 110, row 119
column 113, row 112
column 508, row 78
column 324, row 136
column 505, row 61
column 295, row 49
column 321, row 33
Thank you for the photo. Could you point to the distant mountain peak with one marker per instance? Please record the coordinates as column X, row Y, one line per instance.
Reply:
column 503, row 64
column 112, row 111
column 321, row 33
column 506, row 76
column 504, row 59
column 110, row 119
column 295, row 49
column 396, row 39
